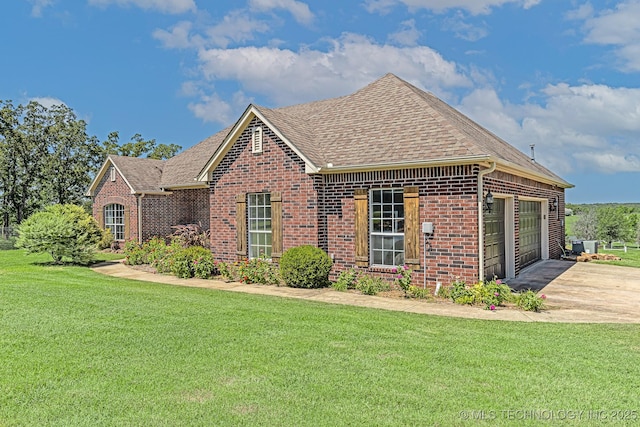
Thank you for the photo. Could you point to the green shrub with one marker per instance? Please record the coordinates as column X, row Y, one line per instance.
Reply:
column 403, row 278
column 189, row 261
column 154, row 250
column 7, row 243
column 460, row 293
column 305, row 267
column 133, row 253
column 106, row 240
column 63, row 231
column 164, row 258
column 370, row 285
column 492, row 294
column 257, row 270
column 530, row 301
column 346, row 280
column 418, row 292
column 226, row 270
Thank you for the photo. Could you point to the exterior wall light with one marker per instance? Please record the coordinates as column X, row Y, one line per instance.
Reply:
column 488, row 202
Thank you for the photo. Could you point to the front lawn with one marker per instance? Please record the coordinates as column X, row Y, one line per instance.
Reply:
column 78, row 348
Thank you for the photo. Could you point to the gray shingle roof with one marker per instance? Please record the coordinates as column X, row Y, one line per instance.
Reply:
column 392, row 122
column 143, row 175
column 387, row 122
column 182, row 170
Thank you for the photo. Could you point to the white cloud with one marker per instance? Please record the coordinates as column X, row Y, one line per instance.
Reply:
column 178, row 37
column 164, row 6
column 464, row 30
column 577, row 128
column 39, row 6
column 300, row 11
column 408, row 34
column 619, row 27
column 212, row 108
column 475, row 7
column 235, row 27
column 288, row 77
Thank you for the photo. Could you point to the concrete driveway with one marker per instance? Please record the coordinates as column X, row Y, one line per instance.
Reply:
column 584, row 292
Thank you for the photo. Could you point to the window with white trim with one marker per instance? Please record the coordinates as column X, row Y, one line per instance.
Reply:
column 112, row 173
column 259, row 218
column 114, row 220
column 386, row 225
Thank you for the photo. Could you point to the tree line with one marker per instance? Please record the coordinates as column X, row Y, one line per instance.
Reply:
column 47, row 157
column 607, row 222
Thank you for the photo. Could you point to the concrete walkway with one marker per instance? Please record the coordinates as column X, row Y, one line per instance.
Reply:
column 576, row 293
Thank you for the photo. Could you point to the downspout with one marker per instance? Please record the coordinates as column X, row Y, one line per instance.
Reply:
column 481, row 220
column 140, row 196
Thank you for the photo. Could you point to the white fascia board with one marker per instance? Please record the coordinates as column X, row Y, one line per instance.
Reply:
column 237, row 130
column 103, row 170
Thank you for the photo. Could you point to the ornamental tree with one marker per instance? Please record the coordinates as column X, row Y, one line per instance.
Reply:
column 63, row 231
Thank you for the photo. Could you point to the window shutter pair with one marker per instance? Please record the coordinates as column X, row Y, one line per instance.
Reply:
column 276, row 226
column 411, row 227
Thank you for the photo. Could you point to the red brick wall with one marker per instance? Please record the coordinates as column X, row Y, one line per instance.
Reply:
column 276, row 169
column 447, row 198
column 159, row 212
column 108, row 192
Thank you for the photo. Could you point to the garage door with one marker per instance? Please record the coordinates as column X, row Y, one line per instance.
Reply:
column 494, row 247
column 530, row 226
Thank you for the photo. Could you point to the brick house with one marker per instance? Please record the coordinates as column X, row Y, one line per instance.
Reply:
column 358, row 176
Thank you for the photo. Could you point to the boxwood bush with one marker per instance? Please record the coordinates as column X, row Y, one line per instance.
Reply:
column 305, row 267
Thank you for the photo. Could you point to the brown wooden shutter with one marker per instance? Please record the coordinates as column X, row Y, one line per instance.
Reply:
column 412, row 227
column 362, row 227
column 276, row 226
column 241, row 225
column 127, row 226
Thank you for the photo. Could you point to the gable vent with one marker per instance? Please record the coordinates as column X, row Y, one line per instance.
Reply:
column 256, row 140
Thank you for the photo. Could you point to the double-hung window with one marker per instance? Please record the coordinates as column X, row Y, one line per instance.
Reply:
column 259, row 220
column 386, row 225
column 114, row 220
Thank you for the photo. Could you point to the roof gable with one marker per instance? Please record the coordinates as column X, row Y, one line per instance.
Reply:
column 142, row 175
column 266, row 116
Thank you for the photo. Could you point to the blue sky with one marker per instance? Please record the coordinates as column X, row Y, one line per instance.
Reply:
column 563, row 75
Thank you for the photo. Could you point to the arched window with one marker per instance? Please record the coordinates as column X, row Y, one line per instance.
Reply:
column 114, row 220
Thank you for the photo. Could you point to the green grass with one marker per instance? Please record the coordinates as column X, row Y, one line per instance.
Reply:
column 78, row 348
column 631, row 258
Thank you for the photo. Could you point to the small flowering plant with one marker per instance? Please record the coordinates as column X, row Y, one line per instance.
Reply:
column 403, row 278
column 531, row 301
column 495, row 293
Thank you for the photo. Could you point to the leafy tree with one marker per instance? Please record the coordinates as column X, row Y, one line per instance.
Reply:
column 586, row 226
column 164, row 151
column 47, row 157
column 23, row 157
column 138, row 147
column 73, row 157
column 61, row 231
column 613, row 224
